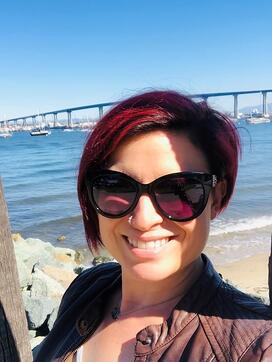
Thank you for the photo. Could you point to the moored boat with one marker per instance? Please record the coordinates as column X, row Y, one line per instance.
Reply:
column 256, row 118
column 39, row 132
column 5, row 134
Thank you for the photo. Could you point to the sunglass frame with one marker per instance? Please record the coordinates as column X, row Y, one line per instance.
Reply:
column 207, row 181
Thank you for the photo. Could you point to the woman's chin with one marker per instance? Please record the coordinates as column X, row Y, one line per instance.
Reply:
column 150, row 272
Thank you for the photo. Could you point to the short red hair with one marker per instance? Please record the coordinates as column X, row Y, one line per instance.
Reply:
column 209, row 130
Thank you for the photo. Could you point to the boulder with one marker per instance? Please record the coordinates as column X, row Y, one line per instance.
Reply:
column 33, row 251
column 34, row 342
column 64, row 277
column 45, row 272
column 52, row 318
column 38, row 310
column 45, row 286
column 25, row 277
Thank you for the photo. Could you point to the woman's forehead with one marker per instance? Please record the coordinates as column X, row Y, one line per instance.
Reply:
column 157, row 153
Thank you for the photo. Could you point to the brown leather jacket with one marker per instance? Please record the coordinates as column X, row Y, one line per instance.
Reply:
column 213, row 322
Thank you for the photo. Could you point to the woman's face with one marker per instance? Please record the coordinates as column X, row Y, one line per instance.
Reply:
column 146, row 157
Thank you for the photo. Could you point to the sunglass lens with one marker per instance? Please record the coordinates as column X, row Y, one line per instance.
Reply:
column 113, row 194
column 180, row 198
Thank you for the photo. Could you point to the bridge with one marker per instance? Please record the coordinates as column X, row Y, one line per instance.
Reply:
column 101, row 106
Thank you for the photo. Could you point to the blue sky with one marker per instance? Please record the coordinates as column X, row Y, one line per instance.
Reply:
column 63, row 53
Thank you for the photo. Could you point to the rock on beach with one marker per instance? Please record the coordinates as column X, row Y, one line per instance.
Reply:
column 45, row 272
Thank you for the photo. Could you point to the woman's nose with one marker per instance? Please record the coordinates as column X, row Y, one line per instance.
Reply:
column 145, row 216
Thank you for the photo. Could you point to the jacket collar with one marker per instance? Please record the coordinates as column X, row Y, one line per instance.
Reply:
column 195, row 299
column 186, row 310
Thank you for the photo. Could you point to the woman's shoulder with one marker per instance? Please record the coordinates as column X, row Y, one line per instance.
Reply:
column 92, row 273
column 89, row 282
column 247, row 306
column 238, row 324
column 226, row 301
column 241, row 314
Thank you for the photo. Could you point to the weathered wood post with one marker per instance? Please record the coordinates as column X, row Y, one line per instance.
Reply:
column 14, row 338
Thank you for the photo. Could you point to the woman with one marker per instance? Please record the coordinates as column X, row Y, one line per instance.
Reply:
column 154, row 173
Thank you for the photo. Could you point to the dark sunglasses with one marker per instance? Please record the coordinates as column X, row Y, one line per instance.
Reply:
column 180, row 196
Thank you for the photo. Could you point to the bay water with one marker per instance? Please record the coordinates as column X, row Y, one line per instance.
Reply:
column 39, row 176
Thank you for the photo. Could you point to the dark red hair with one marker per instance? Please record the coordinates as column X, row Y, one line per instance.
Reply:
column 209, row 130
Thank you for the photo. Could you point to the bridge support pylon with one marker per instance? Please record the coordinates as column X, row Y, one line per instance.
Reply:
column 100, row 112
column 264, row 103
column 55, row 119
column 235, row 109
column 69, row 118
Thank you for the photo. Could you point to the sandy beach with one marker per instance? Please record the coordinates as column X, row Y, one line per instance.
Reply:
column 249, row 274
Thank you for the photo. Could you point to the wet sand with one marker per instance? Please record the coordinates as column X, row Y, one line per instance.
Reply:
column 249, row 274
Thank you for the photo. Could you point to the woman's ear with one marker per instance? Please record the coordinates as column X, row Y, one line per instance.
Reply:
column 217, row 196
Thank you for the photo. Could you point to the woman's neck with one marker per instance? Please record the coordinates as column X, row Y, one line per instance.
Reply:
column 139, row 294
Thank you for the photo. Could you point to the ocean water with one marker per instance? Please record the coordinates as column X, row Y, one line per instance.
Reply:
column 39, row 178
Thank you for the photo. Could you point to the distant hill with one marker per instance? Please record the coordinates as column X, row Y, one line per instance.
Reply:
column 258, row 107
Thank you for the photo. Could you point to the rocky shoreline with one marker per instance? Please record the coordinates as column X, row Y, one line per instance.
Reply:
column 45, row 272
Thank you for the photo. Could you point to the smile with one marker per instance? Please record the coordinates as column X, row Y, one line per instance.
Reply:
column 148, row 245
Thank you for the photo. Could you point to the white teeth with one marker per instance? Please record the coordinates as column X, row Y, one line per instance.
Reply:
column 140, row 245
column 150, row 245
column 157, row 244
